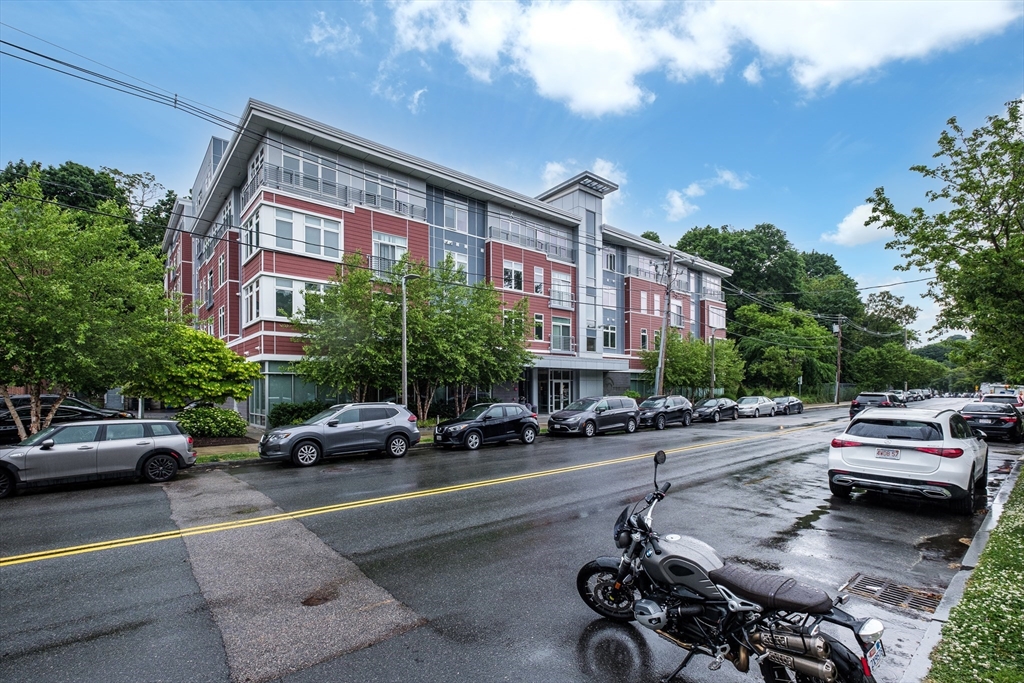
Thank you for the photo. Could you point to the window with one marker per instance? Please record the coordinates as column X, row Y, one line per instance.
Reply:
column 284, row 229
column 643, row 339
column 561, row 335
column 76, row 434
column 561, row 289
column 609, row 261
column 677, row 313
column 513, row 276
column 591, row 270
column 222, row 270
column 460, row 261
column 387, row 251
column 657, row 305
column 693, row 311
column 251, row 294
column 161, row 429
column 283, row 298
column 456, row 215
column 609, row 297
column 591, row 223
column 538, row 280
column 538, row 326
column 509, row 317
column 209, row 288
column 125, row 431
column 716, row 317
column 220, row 322
column 251, row 235
column 609, row 337
column 322, row 236
column 643, row 302
column 591, row 343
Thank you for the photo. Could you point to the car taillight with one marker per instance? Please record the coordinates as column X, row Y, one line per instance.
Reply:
column 1011, row 420
column 842, row 443
column 190, row 441
column 533, row 415
column 855, row 403
column 412, row 418
column 885, row 404
column 942, row 452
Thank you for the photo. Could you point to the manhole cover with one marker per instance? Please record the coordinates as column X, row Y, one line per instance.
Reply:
column 885, row 591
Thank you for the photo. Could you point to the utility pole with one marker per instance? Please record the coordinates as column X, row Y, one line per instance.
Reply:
column 839, row 354
column 660, row 379
column 904, row 377
column 712, row 394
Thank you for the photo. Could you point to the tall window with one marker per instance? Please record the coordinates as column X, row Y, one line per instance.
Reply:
column 609, row 337
column 561, row 334
column 222, row 270
column 693, row 311
column 251, row 235
column 657, row 305
column 538, row 280
column 283, row 298
column 251, row 296
column 716, row 317
column 677, row 313
column 209, row 289
column 513, row 276
column 561, row 289
column 456, row 215
column 643, row 302
column 284, row 229
column 609, row 261
column 220, row 322
column 322, row 236
column 538, row 326
column 609, row 297
column 387, row 251
column 643, row 339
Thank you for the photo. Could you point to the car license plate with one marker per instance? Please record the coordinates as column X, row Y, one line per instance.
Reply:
column 874, row 655
column 984, row 421
column 887, row 453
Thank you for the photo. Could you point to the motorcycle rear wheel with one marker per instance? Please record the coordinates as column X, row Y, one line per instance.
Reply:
column 848, row 668
column 595, row 586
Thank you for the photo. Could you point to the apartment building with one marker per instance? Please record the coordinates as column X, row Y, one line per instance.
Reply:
column 275, row 208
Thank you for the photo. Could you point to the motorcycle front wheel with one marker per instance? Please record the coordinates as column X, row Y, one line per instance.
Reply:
column 596, row 585
column 848, row 668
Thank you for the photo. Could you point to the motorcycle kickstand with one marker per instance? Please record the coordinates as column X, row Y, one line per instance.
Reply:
column 679, row 668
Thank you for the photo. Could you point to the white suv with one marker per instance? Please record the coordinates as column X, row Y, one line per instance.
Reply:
column 925, row 453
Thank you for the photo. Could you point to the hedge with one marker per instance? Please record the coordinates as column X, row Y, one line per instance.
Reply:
column 294, row 413
column 211, row 422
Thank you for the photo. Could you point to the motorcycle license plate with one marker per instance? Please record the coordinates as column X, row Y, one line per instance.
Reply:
column 887, row 453
column 874, row 654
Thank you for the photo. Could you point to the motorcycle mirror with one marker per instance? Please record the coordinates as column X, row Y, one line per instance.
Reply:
column 659, row 457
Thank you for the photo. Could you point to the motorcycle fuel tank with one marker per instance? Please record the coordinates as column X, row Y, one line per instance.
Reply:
column 684, row 561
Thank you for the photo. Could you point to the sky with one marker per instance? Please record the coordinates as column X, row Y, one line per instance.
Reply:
column 705, row 113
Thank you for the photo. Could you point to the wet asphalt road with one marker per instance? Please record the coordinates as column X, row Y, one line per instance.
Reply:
column 487, row 569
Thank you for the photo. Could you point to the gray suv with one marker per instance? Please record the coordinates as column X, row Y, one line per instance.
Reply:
column 344, row 428
column 99, row 449
column 588, row 416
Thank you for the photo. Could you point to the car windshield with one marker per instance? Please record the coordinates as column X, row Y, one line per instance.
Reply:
column 39, row 436
column 870, row 398
column 987, row 408
column 653, row 403
column 782, row 399
column 747, row 400
column 320, row 416
column 708, row 403
column 908, row 430
column 582, row 404
column 475, row 412
column 1000, row 399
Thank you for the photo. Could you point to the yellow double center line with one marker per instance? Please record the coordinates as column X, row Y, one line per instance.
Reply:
column 310, row 512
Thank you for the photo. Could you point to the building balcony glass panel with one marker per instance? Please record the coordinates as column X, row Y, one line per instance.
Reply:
column 562, row 297
column 563, row 344
column 532, row 237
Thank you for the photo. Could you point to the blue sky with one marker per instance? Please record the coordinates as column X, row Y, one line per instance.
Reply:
column 705, row 113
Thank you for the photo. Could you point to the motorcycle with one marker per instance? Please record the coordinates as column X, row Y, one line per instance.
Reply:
column 679, row 587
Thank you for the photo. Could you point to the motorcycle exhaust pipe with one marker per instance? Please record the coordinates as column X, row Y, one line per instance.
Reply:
column 823, row 670
column 815, row 646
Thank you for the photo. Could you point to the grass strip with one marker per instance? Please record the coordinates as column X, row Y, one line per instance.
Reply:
column 224, row 457
column 984, row 637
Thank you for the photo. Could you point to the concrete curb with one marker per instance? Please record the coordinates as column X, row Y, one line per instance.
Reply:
column 249, row 461
column 921, row 663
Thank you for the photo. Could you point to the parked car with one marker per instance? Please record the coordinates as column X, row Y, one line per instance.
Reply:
column 589, row 416
column 658, row 411
column 70, row 410
column 912, row 452
column 78, row 451
column 788, row 404
column 756, row 406
column 1009, row 399
column 995, row 419
column 716, row 409
column 343, row 428
column 488, row 423
column 871, row 399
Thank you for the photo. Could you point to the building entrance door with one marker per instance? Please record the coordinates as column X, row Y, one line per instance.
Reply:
column 561, row 394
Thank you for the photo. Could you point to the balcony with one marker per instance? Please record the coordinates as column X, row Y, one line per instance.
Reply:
column 712, row 295
column 382, row 267
column 541, row 242
column 562, row 344
column 562, row 297
column 288, row 180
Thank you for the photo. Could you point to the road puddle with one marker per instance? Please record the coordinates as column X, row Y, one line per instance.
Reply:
column 780, row 540
column 947, row 548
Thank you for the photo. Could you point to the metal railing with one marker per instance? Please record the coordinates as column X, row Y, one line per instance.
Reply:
column 562, row 343
column 542, row 242
column 381, row 266
column 562, row 297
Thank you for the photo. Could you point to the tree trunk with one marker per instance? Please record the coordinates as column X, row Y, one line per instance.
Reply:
column 5, row 391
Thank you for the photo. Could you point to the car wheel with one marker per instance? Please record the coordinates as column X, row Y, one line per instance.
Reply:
column 736, row 413
column 397, row 446
column 687, row 418
column 659, row 422
column 6, row 483
column 967, row 504
column 589, row 429
column 528, row 435
column 785, row 411
column 800, row 411
column 160, row 468
column 717, row 417
column 840, row 491
column 630, row 426
column 772, row 414
column 473, row 440
column 757, row 412
column 306, row 453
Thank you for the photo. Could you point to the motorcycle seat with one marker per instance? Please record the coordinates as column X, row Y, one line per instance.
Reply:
column 772, row 591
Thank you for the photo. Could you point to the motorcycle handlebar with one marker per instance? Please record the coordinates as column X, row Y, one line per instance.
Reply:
column 657, row 548
column 665, row 487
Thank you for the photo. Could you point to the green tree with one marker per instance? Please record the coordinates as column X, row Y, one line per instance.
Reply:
column 832, row 295
column 141, row 191
column 974, row 242
column 688, row 364
column 80, row 303
column 886, row 318
column 780, row 346
column 651, row 235
column 71, row 184
column 190, row 365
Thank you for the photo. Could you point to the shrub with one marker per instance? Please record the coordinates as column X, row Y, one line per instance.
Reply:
column 211, row 422
column 635, row 395
column 294, row 413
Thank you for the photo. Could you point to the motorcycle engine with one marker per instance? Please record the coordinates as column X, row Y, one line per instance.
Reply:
column 650, row 614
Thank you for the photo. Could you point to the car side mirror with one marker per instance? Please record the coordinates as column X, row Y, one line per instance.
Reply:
column 46, row 445
column 979, row 434
column 488, row 417
column 332, row 423
column 599, row 410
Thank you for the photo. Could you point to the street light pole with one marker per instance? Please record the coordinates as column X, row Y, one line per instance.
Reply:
column 405, row 375
column 713, row 330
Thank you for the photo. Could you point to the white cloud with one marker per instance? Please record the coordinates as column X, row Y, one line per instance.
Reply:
column 555, row 172
column 592, row 55
column 676, row 207
column 416, row 100
column 694, row 190
column 328, row 38
column 699, row 188
column 852, row 231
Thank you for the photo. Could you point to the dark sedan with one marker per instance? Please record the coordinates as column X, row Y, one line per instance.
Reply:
column 70, row 410
column 716, row 410
column 995, row 419
column 787, row 405
column 875, row 399
column 488, row 423
column 658, row 411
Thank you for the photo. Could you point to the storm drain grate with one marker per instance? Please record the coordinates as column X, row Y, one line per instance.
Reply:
column 885, row 591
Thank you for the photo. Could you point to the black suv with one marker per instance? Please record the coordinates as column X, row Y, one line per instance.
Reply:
column 588, row 416
column 658, row 411
column 880, row 399
column 488, row 423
